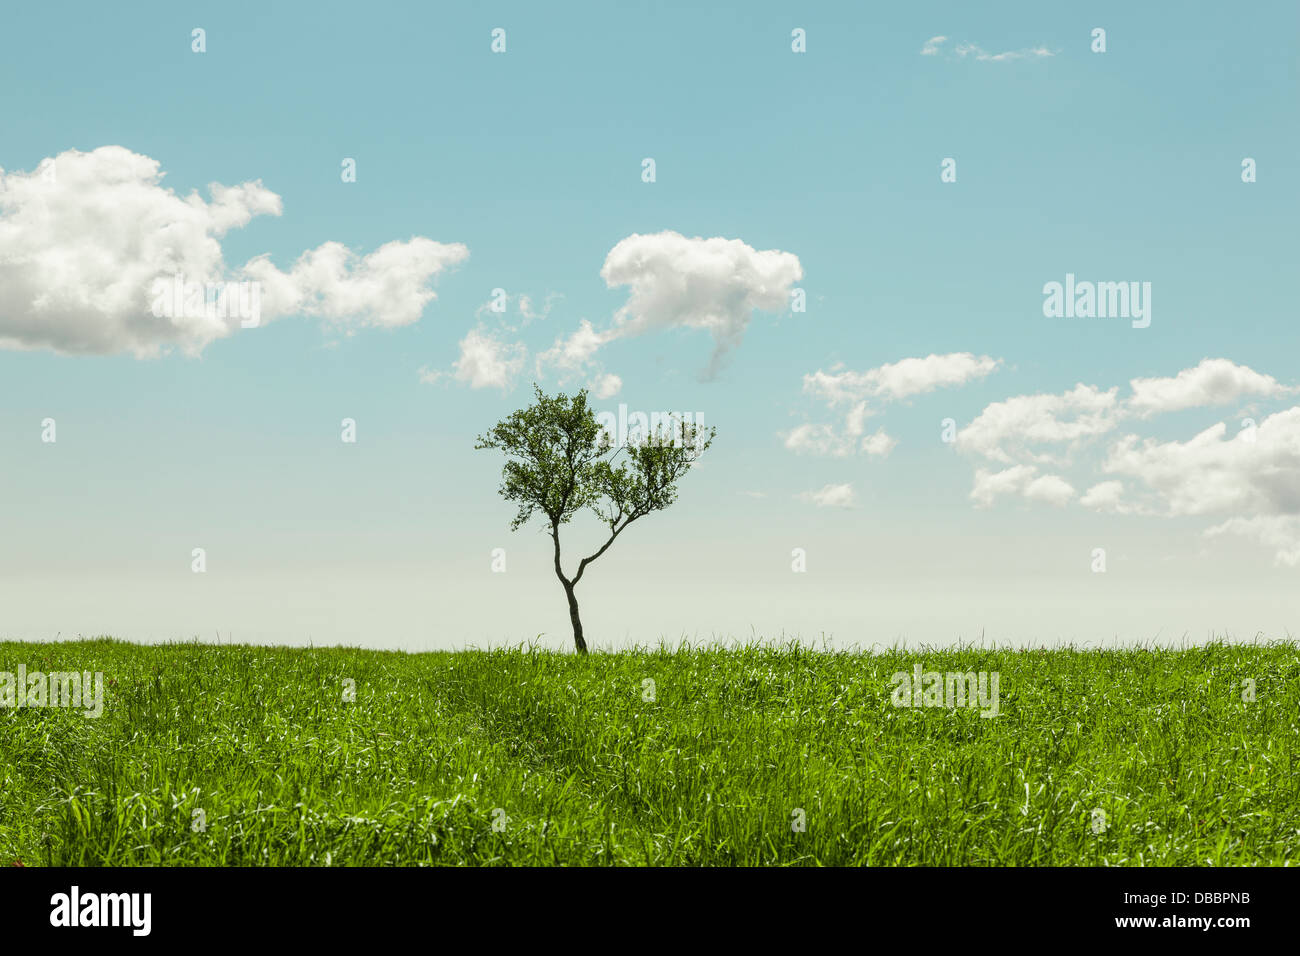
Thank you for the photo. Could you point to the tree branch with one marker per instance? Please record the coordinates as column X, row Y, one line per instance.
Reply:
column 582, row 565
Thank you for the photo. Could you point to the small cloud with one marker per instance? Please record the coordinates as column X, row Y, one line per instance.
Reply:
column 817, row 440
column 831, row 496
column 975, row 52
column 606, row 386
column 485, row 362
column 525, row 306
column 879, row 444
column 575, row 352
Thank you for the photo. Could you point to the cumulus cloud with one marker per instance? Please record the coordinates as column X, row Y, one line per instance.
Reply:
column 1106, row 497
column 486, row 361
column 1213, row 473
column 573, row 353
column 831, row 496
column 887, row 383
column 1016, row 427
column 84, row 237
column 386, row 289
column 1212, row 382
column 1030, row 427
column 991, row 485
column 674, row 282
column 826, row 440
column 1050, row 489
column 1020, row 480
column 711, row 284
column 606, row 386
column 879, row 443
column 898, row 380
column 817, row 440
column 1249, row 477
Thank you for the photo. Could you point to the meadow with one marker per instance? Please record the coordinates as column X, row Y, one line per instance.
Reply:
column 752, row 755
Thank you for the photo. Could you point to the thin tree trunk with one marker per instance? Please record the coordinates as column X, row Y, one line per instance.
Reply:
column 574, row 619
column 578, row 640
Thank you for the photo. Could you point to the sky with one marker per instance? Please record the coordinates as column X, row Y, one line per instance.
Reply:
column 829, row 230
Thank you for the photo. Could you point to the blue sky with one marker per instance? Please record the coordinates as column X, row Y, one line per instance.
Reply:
column 1117, row 166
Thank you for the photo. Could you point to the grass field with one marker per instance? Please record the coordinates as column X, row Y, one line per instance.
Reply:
column 539, row 758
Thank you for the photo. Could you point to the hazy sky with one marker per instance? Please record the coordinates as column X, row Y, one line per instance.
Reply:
column 799, row 273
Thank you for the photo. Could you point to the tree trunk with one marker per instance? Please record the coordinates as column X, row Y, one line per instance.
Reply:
column 578, row 640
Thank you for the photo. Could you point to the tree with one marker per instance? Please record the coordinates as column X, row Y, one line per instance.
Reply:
column 561, row 461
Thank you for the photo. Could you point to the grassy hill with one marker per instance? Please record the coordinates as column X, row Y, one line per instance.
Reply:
column 533, row 757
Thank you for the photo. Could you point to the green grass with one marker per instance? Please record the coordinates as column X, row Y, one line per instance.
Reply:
column 710, row 773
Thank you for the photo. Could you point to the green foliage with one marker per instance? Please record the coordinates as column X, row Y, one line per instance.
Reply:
column 554, row 447
column 709, row 772
column 561, row 461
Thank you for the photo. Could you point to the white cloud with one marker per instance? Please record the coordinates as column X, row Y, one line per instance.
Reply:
column 1212, row 473
column 712, row 284
column 606, row 386
column 879, row 443
column 388, row 288
column 991, row 485
column 825, row 440
column 530, row 311
column 1107, row 497
column 525, row 306
column 1020, row 480
column 80, row 250
column 674, row 282
column 1013, row 428
column 572, row 354
column 899, row 380
column 963, row 50
column 1050, row 489
column 1281, row 532
column 1212, row 382
column 887, row 383
column 1250, row 477
column 817, row 440
column 831, row 496
column 485, row 362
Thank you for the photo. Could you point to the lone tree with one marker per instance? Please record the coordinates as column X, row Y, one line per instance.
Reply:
column 562, row 461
